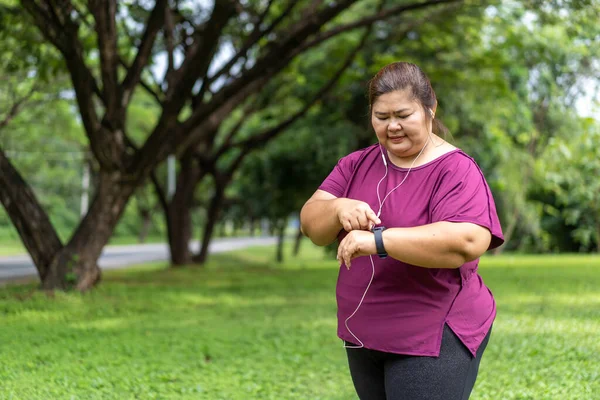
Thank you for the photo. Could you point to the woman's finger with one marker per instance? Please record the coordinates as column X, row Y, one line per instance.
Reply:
column 347, row 225
column 373, row 217
column 364, row 221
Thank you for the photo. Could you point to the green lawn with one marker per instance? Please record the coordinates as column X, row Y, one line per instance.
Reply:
column 245, row 328
column 9, row 247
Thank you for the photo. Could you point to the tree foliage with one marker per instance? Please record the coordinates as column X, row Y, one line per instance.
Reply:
column 213, row 83
column 111, row 48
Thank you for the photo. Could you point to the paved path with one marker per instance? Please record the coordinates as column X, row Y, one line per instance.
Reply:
column 20, row 267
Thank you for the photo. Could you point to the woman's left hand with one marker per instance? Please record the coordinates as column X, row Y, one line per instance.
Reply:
column 355, row 244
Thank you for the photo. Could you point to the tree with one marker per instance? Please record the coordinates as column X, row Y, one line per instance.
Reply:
column 252, row 129
column 106, row 69
column 506, row 78
column 491, row 87
column 570, row 169
column 275, row 183
column 33, row 81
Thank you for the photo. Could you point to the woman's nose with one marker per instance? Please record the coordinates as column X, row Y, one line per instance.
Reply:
column 394, row 125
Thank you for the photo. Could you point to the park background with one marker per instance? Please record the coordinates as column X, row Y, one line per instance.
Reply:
column 178, row 121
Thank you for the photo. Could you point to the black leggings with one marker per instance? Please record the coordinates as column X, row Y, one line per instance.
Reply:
column 386, row 376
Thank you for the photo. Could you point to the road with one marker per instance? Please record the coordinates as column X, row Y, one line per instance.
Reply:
column 20, row 267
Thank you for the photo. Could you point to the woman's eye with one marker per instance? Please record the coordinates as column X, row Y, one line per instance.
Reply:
column 382, row 118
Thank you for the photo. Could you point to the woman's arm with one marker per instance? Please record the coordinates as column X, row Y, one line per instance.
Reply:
column 324, row 216
column 437, row 245
column 318, row 219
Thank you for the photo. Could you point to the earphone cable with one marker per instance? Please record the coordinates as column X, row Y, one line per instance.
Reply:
column 371, row 256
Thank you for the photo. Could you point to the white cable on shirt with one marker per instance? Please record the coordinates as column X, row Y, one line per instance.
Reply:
column 371, row 257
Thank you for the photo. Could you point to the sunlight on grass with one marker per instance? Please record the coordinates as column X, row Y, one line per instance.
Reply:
column 103, row 324
column 11, row 248
column 245, row 327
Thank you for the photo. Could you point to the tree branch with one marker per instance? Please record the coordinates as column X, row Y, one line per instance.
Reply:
column 262, row 16
column 153, row 26
column 143, row 84
column 368, row 21
column 259, row 139
column 203, row 119
column 273, row 62
column 160, row 192
column 254, row 37
column 236, row 128
column 201, row 53
column 170, row 44
column 279, row 55
column 64, row 36
column 28, row 217
column 16, row 108
column 104, row 12
column 251, row 107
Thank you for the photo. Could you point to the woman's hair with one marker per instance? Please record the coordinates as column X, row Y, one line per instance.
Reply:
column 406, row 76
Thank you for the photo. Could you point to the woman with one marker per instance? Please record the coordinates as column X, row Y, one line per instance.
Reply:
column 412, row 214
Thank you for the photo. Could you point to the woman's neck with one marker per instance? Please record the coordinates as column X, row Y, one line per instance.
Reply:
column 434, row 147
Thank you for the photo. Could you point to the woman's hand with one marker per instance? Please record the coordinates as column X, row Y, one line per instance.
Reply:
column 356, row 244
column 355, row 215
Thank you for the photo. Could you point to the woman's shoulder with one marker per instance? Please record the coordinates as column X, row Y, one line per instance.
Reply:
column 360, row 153
column 454, row 158
column 458, row 166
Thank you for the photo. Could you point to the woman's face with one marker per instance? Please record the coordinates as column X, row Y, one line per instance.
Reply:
column 400, row 124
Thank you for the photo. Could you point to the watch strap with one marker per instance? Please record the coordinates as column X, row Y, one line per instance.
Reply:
column 377, row 231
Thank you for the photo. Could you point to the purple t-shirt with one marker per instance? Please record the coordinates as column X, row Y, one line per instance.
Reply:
column 406, row 306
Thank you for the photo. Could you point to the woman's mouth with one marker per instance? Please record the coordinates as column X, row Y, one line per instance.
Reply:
column 397, row 139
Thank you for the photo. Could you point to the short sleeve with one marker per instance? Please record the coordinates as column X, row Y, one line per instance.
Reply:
column 338, row 179
column 463, row 195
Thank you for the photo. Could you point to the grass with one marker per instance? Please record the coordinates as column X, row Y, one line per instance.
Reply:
column 245, row 328
column 11, row 248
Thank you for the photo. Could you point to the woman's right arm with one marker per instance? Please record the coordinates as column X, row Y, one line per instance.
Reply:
column 324, row 216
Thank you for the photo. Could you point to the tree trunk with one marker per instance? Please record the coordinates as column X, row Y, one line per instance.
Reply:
column 179, row 221
column 146, row 220
column 212, row 216
column 299, row 236
column 180, row 231
column 29, row 218
column 76, row 264
column 252, row 226
column 280, row 239
column 509, row 231
column 222, row 229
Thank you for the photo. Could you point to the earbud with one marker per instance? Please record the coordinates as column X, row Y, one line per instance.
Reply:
column 383, row 156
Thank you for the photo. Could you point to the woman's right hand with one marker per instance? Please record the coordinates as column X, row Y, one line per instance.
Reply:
column 355, row 214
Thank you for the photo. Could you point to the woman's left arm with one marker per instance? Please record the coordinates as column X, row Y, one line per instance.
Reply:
column 437, row 245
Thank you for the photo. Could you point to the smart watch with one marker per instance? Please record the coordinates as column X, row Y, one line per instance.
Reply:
column 377, row 231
